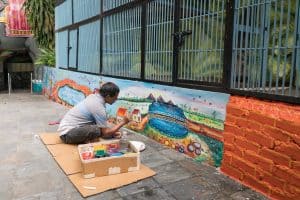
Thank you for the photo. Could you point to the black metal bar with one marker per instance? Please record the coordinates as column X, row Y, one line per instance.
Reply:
column 228, row 42
column 175, row 42
column 123, row 7
column 75, row 25
column 79, row 71
column 143, row 39
column 191, row 82
column 68, row 49
column 101, row 39
column 77, row 48
column 265, row 96
column 72, row 6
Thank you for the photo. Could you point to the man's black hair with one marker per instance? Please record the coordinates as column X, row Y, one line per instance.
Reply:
column 109, row 89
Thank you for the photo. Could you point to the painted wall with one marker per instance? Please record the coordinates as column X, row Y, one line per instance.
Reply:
column 189, row 121
column 262, row 146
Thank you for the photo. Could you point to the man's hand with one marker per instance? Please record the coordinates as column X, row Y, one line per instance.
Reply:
column 117, row 135
column 125, row 120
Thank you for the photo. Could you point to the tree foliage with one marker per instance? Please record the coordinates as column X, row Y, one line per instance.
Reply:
column 40, row 16
column 46, row 57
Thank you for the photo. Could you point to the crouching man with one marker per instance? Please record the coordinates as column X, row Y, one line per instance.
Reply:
column 87, row 121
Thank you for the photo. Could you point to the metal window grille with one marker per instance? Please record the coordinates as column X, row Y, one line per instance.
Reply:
column 201, row 55
column 159, row 41
column 121, row 44
column 266, row 56
column 111, row 4
column 265, row 44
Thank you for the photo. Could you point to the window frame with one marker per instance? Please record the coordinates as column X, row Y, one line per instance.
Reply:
column 223, row 87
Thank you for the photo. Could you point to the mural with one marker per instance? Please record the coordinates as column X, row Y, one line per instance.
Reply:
column 188, row 121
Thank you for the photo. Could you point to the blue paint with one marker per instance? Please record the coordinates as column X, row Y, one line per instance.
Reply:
column 168, row 110
column 168, row 128
column 70, row 96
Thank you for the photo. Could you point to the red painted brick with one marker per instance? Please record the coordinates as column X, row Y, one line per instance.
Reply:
column 278, row 194
column 293, row 192
column 232, row 129
column 281, row 172
column 259, row 173
column 296, row 166
column 258, row 185
column 243, row 165
column 294, row 178
column 228, row 137
column 276, row 133
column 296, row 138
column 239, row 151
column 239, row 141
column 227, row 158
column 230, row 119
column 277, row 158
column 235, row 110
column 228, row 147
column 273, row 180
column 263, row 163
column 290, row 149
column 232, row 172
column 241, row 122
column 286, row 173
column 261, row 118
column 252, row 125
column 288, row 126
column 260, row 139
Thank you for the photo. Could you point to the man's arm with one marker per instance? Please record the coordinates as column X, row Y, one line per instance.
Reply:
column 110, row 132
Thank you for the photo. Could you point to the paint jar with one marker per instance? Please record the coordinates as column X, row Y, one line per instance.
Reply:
column 86, row 155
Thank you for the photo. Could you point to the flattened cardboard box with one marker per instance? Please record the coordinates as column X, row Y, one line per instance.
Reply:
column 105, row 166
column 71, row 165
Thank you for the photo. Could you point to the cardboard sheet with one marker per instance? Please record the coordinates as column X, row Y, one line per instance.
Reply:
column 50, row 138
column 62, row 150
column 68, row 159
column 70, row 165
column 88, row 187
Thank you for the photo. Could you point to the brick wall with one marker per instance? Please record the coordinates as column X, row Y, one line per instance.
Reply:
column 262, row 146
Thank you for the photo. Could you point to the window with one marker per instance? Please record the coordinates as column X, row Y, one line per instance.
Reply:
column 84, row 9
column 239, row 46
column 61, row 44
column 63, row 14
column 266, row 50
column 121, row 44
column 159, row 42
column 89, row 47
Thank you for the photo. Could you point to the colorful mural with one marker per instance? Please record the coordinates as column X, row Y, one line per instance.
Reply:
column 189, row 121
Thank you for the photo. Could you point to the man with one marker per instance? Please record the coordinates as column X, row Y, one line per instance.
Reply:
column 87, row 120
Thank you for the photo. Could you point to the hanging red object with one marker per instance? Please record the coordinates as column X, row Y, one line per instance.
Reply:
column 17, row 25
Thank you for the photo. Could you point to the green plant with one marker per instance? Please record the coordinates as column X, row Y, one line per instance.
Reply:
column 40, row 16
column 46, row 57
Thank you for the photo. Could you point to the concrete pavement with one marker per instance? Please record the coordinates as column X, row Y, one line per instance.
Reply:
column 28, row 172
